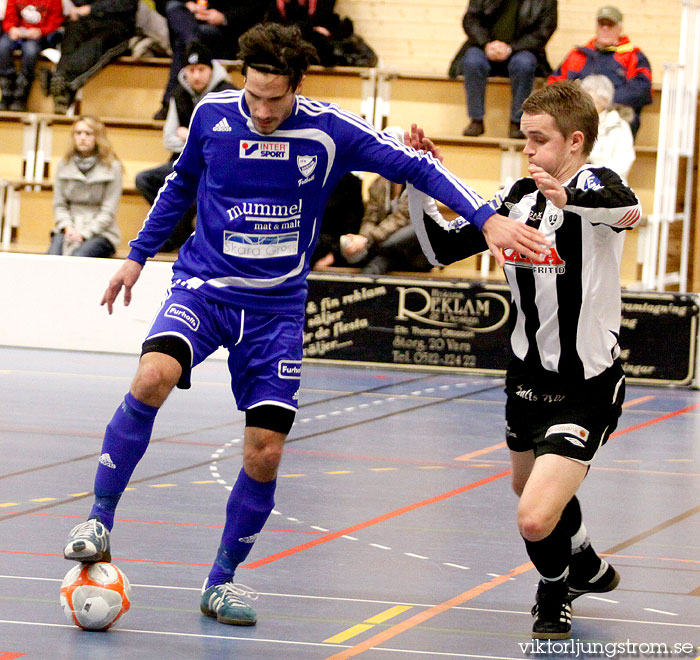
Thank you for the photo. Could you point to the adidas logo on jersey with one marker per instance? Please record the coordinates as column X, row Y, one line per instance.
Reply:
column 222, row 125
column 106, row 460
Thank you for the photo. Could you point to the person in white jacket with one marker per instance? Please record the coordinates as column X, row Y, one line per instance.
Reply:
column 614, row 147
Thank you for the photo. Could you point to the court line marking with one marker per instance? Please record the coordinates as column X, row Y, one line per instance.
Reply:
column 424, row 616
column 374, row 521
column 367, row 624
column 370, row 601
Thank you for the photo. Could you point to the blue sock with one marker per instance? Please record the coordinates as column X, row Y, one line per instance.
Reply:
column 125, row 442
column 247, row 510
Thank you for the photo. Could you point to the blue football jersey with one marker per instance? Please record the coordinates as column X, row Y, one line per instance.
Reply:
column 260, row 198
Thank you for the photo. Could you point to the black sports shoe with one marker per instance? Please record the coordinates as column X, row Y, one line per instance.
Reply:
column 552, row 611
column 606, row 579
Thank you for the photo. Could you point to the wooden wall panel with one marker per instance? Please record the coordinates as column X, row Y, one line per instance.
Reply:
column 423, row 35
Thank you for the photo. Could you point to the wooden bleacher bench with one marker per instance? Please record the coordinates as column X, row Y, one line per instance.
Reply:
column 127, row 92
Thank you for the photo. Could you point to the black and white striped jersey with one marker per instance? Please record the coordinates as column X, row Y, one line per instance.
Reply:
column 565, row 317
column 566, row 309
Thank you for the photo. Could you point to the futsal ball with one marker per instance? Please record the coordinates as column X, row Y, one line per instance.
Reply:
column 95, row 596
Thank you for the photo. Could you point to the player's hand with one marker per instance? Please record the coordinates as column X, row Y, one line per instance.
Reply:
column 125, row 277
column 550, row 187
column 417, row 139
column 501, row 232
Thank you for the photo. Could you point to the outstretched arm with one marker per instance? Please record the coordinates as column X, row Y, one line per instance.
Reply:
column 499, row 231
column 125, row 277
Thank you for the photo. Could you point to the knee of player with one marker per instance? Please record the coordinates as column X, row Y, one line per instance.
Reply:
column 154, row 381
column 263, row 457
column 534, row 525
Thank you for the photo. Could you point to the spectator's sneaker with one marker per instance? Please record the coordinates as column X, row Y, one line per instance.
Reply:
column 225, row 603
column 606, row 579
column 552, row 611
column 88, row 542
column 442, row 242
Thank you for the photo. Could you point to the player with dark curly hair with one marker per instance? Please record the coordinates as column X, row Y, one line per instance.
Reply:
column 261, row 163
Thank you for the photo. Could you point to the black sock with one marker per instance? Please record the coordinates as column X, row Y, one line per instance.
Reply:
column 551, row 555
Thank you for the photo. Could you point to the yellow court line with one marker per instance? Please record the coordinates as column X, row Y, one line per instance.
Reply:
column 382, row 469
column 340, row 472
column 388, row 614
column 347, row 634
column 6, row 504
column 431, row 467
column 43, row 499
column 292, row 475
column 79, row 494
column 207, row 481
column 162, row 485
column 367, row 624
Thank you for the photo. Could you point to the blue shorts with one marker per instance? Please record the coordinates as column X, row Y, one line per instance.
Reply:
column 265, row 350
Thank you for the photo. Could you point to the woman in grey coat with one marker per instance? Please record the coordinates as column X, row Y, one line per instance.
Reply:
column 87, row 189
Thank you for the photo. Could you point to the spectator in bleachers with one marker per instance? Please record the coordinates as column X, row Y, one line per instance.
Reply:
column 505, row 38
column 86, row 194
column 96, row 32
column 217, row 23
column 614, row 147
column 333, row 37
column 29, row 27
column 198, row 77
column 612, row 54
column 386, row 240
column 342, row 215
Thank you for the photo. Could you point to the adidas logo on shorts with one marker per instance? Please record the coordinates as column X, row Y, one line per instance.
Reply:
column 222, row 125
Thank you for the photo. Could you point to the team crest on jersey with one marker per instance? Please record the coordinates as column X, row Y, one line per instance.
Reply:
column 551, row 263
column 263, row 150
column 554, row 220
column 306, row 165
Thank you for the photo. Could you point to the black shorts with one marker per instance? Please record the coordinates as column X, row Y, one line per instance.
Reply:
column 572, row 421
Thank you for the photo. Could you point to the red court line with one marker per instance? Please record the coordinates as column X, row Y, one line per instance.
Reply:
column 422, row 617
column 656, row 420
column 114, row 559
column 684, row 561
column 374, row 521
column 8, row 655
column 177, row 524
column 479, row 452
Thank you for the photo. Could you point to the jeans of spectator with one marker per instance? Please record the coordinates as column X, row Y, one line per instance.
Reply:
column 148, row 183
column 89, row 44
column 97, row 246
column 31, row 49
column 519, row 67
column 183, row 27
column 400, row 251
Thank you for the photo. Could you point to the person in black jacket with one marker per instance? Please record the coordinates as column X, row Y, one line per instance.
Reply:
column 96, row 32
column 196, row 79
column 505, row 38
column 216, row 23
